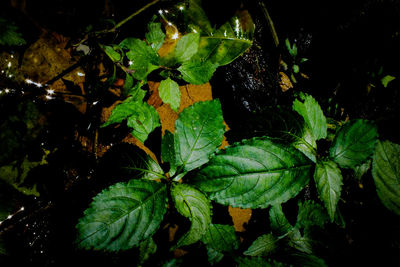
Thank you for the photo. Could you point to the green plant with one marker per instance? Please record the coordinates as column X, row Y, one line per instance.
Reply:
column 295, row 60
column 9, row 34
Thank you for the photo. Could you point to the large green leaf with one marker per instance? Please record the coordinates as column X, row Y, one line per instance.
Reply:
column 328, row 180
column 143, row 58
column 386, row 174
column 170, row 93
column 228, row 42
column 194, row 205
column 313, row 115
column 143, row 120
column 311, row 214
column 155, row 36
column 306, row 143
column 186, row 47
column 123, row 215
column 197, row 71
column 354, row 143
column 262, row 246
column 199, row 131
column 255, row 173
column 221, row 238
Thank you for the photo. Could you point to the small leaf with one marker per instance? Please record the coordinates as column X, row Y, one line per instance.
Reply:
column 199, row 132
column 361, row 170
column 197, row 72
column 213, row 255
column 255, row 173
column 328, row 180
column 279, row 224
column 9, row 34
column 227, row 43
column 192, row 204
column 143, row 58
column 155, row 36
column 146, row 249
column 168, row 151
column 306, row 143
column 221, row 238
column 387, row 79
column 311, row 214
column 296, row 68
column 313, row 116
column 386, row 174
column 262, row 246
column 142, row 166
column 121, row 112
column 187, row 47
column 170, row 93
column 122, row 216
column 299, row 242
column 143, row 120
column 354, row 143
column 112, row 53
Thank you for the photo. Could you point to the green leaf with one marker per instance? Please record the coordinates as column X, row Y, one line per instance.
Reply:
column 227, row 43
column 197, row 71
column 296, row 68
column 328, row 180
column 308, row 260
column 221, row 238
column 255, row 173
column 112, row 53
column 361, row 170
column 155, row 36
column 311, row 214
column 386, row 174
column 213, row 255
column 194, row 205
column 125, row 109
column 279, row 224
column 186, row 47
column 387, row 79
column 262, row 246
column 168, row 151
column 199, row 131
column 197, row 18
column 142, row 166
column 306, row 143
column 122, row 216
column 299, row 242
column 143, row 58
column 170, row 93
column 313, row 116
column 9, row 34
column 354, row 143
column 143, row 120
column 146, row 249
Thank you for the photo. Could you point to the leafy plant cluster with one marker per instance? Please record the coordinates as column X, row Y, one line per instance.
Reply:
column 192, row 57
column 256, row 173
column 9, row 34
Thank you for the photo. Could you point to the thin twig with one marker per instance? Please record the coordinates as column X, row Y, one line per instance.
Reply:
column 270, row 23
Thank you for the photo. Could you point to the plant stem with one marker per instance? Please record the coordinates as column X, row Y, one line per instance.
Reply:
column 270, row 23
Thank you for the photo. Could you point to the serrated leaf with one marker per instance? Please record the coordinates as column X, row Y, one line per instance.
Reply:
column 143, row 58
column 386, row 174
column 313, row 116
column 9, row 34
column 262, row 246
column 328, row 180
column 228, row 42
column 279, row 224
column 311, row 214
column 155, row 36
column 142, row 166
column 122, row 216
column 186, row 47
column 299, row 242
column 354, row 143
column 194, row 205
column 306, row 143
column 170, row 93
column 168, row 151
column 122, row 111
column 199, row 131
column 255, row 173
column 221, row 238
column 197, row 71
column 146, row 249
column 143, row 120
column 213, row 255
